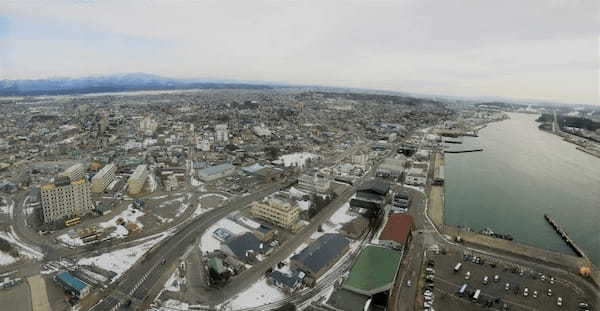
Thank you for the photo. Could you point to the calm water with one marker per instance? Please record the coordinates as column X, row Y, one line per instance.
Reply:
column 522, row 174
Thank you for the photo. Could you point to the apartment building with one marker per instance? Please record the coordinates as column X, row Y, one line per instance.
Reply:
column 103, row 178
column 278, row 212
column 65, row 199
column 314, row 183
column 75, row 172
column 136, row 181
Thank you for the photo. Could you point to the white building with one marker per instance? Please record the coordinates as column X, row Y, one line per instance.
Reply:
column 416, row 176
column 261, row 131
column 75, row 172
column 216, row 172
column 314, row 183
column 221, row 133
column 65, row 199
column 148, row 125
column 136, row 181
column 103, row 178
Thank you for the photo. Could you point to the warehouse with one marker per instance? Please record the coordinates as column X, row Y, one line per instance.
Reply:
column 72, row 284
column 216, row 172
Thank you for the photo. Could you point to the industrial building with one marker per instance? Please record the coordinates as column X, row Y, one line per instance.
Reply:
column 321, row 255
column 397, row 231
column 373, row 271
column 77, row 287
column 103, row 178
column 65, row 198
column 278, row 212
column 392, row 167
column 216, row 172
column 136, row 181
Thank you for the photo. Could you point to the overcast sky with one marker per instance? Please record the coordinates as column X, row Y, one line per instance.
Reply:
column 538, row 49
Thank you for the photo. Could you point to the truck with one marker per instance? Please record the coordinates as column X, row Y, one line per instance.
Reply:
column 457, row 267
column 476, row 295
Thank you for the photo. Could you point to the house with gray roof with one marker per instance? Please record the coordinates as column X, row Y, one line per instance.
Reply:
column 245, row 247
column 320, row 255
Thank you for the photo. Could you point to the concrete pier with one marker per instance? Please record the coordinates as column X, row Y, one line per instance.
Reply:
column 563, row 234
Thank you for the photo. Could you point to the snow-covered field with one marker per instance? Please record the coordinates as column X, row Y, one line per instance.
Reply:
column 296, row 159
column 172, row 304
column 209, row 243
column 173, row 284
column 337, row 220
column 418, row 188
column 70, row 239
column 120, row 260
column 129, row 215
column 6, row 259
column 24, row 249
column 258, row 294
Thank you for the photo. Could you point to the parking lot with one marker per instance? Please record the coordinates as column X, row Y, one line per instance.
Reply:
column 507, row 286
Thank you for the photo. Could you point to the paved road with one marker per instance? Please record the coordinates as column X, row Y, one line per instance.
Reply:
column 140, row 281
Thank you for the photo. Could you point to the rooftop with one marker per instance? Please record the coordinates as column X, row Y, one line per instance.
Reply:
column 373, row 271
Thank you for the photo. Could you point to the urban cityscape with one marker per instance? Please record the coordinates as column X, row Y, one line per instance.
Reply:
column 326, row 191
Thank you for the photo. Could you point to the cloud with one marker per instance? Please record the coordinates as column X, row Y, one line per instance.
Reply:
column 536, row 49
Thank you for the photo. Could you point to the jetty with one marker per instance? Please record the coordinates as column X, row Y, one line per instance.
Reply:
column 563, row 234
column 463, row 151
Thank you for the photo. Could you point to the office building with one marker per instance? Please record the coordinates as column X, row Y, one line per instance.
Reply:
column 314, row 183
column 103, row 178
column 221, row 133
column 278, row 212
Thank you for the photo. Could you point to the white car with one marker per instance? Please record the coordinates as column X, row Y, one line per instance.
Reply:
column 468, row 275
column 559, row 302
column 526, row 292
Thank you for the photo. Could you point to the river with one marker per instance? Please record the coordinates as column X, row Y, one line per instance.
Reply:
column 522, row 174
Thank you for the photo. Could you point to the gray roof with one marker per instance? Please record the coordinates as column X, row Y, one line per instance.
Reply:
column 215, row 169
column 240, row 244
column 322, row 251
column 377, row 186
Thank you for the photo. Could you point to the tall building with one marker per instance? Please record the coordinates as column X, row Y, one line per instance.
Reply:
column 65, row 199
column 148, row 125
column 103, row 178
column 136, row 181
column 75, row 172
column 278, row 212
column 221, row 133
column 314, row 183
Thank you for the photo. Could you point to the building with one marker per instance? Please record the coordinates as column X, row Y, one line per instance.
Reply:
column 416, row 176
column 397, row 231
column 245, row 247
column 392, row 167
column 373, row 271
column 321, row 255
column 79, row 288
column 216, row 172
column 278, row 212
column 438, row 176
column 136, row 181
column 75, row 172
column 65, row 199
column 103, row 178
column 370, row 197
column 314, row 183
column 148, row 125
column 401, row 202
column 221, row 133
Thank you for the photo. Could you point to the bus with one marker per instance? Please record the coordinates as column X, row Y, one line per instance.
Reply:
column 72, row 221
column 462, row 289
column 476, row 295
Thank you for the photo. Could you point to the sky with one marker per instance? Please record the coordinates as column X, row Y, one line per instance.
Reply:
column 533, row 49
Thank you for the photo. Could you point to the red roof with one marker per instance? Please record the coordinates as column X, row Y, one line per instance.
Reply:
column 397, row 228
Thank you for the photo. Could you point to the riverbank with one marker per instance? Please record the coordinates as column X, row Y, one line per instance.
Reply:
column 436, row 195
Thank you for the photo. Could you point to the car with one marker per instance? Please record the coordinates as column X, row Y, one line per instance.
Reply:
column 534, row 294
column 552, row 281
column 496, row 278
column 559, row 302
column 583, row 305
column 543, row 278
column 408, row 283
column 549, row 291
column 526, row 292
column 505, row 307
column 468, row 275
column 485, row 280
column 507, row 286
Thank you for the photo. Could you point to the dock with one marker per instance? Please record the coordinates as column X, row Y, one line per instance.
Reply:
column 563, row 234
column 463, row 151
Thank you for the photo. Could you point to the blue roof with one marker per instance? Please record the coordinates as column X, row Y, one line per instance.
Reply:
column 71, row 281
column 252, row 168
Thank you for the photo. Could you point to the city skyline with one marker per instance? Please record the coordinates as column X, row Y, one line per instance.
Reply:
column 545, row 50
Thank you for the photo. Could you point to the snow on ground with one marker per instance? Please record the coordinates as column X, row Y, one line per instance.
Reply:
column 209, row 243
column 172, row 304
column 69, row 239
column 152, row 182
column 199, row 210
column 6, row 259
column 296, row 159
column 196, row 182
column 174, row 282
column 120, row 260
column 420, row 189
column 296, row 193
column 258, row 294
column 24, row 249
column 222, row 196
column 337, row 220
column 129, row 215
column 160, row 197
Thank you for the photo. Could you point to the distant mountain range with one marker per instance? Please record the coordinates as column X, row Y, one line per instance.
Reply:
column 117, row 83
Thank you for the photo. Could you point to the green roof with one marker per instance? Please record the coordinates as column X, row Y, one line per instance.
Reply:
column 216, row 264
column 373, row 271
